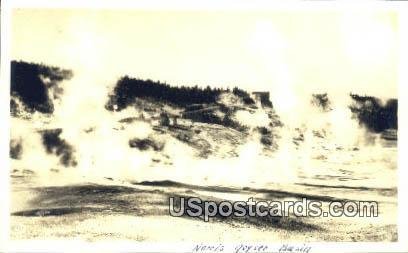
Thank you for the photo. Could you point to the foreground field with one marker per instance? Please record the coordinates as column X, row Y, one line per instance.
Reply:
column 118, row 210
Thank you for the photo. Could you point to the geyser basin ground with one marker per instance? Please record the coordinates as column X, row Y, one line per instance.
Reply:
column 114, row 209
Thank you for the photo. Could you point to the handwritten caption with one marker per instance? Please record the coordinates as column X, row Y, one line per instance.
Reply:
column 251, row 248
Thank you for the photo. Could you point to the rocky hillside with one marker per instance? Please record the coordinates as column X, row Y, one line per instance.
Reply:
column 208, row 122
column 143, row 122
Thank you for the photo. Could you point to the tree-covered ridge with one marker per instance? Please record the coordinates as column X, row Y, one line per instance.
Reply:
column 373, row 114
column 127, row 89
column 31, row 82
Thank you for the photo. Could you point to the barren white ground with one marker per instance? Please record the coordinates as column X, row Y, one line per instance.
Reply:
column 121, row 210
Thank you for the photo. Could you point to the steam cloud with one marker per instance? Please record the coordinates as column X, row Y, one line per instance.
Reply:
column 73, row 133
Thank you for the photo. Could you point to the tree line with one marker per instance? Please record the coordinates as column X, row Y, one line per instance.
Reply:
column 127, row 89
column 373, row 114
column 27, row 84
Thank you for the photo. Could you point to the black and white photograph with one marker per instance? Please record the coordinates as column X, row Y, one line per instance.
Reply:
column 222, row 129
